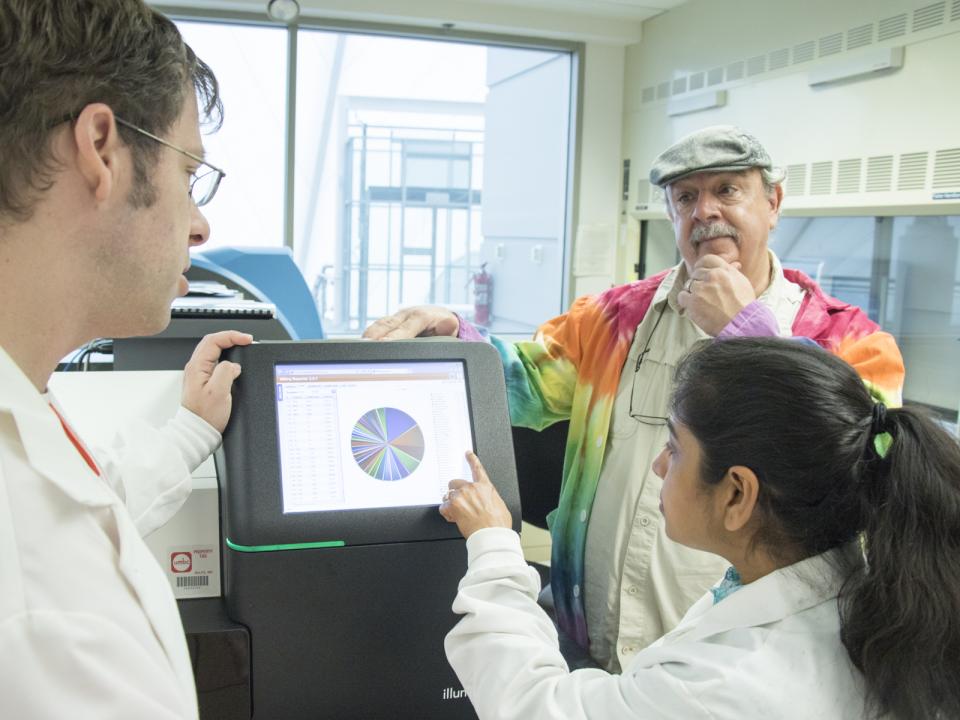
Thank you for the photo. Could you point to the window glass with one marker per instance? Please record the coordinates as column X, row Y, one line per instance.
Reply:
column 836, row 252
column 661, row 247
column 905, row 273
column 398, row 140
column 921, row 293
column 250, row 65
column 420, row 165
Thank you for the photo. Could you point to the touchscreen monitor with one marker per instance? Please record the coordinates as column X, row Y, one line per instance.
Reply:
column 357, row 435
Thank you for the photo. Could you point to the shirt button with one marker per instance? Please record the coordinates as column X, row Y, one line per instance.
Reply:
column 633, row 590
column 583, row 516
column 599, row 441
column 626, row 650
column 576, row 591
column 644, row 521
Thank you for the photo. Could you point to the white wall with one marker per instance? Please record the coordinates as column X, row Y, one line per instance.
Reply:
column 910, row 110
column 596, row 252
column 526, row 134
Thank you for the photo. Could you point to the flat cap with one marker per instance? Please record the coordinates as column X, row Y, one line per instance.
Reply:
column 720, row 148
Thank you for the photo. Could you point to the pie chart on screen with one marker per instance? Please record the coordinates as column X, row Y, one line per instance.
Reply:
column 387, row 444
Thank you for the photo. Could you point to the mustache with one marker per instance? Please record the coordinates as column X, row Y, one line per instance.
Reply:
column 713, row 230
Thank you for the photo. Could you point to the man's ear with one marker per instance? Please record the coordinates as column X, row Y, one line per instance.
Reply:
column 776, row 200
column 742, row 490
column 98, row 148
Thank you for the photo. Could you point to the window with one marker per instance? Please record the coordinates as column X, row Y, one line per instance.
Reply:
column 419, row 164
column 250, row 63
column 904, row 272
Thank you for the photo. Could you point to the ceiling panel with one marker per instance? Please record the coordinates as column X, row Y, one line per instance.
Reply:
column 606, row 21
column 629, row 9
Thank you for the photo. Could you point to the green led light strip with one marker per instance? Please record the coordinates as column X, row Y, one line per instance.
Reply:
column 286, row 546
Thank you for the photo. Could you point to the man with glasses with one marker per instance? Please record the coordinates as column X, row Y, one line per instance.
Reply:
column 618, row 583
column 101, row 180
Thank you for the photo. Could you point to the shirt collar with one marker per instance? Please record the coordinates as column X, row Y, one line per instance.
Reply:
column 17, row 391
column 773, row 597
column 47, row 448
column 730, row 584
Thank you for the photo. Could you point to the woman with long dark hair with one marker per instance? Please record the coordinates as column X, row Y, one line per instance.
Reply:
column 840, row 519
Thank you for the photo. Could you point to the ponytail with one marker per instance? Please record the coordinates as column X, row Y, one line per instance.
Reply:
column 900, row 614
column 835, row 466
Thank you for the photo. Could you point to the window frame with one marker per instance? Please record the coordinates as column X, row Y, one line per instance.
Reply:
column 575, row 49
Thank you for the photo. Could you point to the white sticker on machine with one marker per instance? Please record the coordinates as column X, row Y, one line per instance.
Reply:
column 192, row 570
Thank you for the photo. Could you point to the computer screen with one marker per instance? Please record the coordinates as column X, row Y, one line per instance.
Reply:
column 357, row 435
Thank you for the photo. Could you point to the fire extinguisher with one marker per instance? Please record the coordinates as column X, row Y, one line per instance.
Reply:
column 482, row 289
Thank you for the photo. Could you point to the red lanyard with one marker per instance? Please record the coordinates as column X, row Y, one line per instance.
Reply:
column 77, row 444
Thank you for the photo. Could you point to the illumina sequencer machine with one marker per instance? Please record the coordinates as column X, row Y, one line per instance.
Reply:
column 335, row 556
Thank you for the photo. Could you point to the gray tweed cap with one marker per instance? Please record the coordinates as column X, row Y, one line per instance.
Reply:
column 720, row 148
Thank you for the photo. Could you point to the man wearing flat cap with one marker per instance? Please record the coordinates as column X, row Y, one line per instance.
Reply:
column 618, row 582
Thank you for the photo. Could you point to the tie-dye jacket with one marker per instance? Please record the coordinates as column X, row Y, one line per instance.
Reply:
column 571, row 370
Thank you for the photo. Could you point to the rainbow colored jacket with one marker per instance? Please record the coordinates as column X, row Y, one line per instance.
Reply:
column 571, row 370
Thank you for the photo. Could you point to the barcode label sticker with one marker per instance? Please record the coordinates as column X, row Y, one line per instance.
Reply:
column 191, row 569
column 193, row 581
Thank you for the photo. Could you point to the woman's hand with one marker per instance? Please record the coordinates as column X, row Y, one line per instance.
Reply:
column 475, row 505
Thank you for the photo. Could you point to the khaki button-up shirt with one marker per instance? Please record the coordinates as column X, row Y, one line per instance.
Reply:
column 639, row 583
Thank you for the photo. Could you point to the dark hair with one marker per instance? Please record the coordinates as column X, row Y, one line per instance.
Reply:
column 805, row 423
column 58, row 56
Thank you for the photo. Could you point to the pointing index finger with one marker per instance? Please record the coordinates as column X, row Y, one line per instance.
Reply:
column 479, row 474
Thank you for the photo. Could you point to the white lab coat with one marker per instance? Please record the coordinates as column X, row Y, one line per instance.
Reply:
column 769, row 650
column 89, row 626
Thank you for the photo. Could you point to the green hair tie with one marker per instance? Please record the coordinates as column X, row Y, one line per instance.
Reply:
column 881, row 443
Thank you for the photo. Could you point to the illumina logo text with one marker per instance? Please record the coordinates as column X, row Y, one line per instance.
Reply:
column 452, row 693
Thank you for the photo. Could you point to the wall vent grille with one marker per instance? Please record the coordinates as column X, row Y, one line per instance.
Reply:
column 924, row 18
column 848, row 175
column 831, row 44
column 804, row 52
column 930, row 16
column 879, row 173
column 892, row 27
column 796, row 179
column 821, row 178
column 946, row 169
column 913, row 171
column 859, row 36
column 781, row 58
column 756, row 65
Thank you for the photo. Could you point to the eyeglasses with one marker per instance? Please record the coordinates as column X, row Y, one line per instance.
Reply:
column 646, row 419
column 203, row 185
